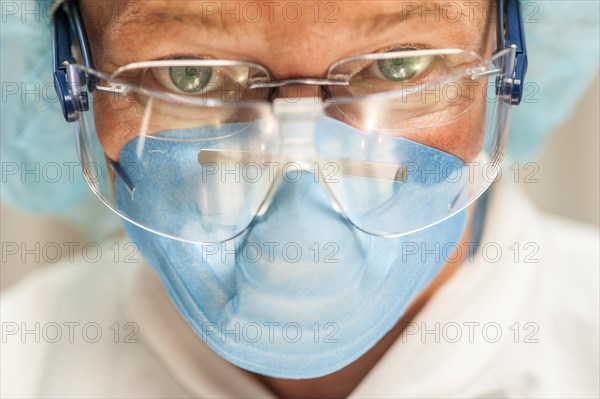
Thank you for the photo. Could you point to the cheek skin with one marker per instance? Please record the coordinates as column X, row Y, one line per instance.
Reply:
column 111, row 127
column 463, row 138
column 119, row 120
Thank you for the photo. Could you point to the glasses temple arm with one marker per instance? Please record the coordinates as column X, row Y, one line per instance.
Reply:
column 61, row 51
column 512, row 35
column 61, row 44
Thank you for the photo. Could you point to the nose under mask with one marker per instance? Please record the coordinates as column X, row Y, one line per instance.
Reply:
column 301, row 293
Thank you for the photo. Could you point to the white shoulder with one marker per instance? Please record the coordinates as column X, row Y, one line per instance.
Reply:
column 65, row 323
column 570, row 255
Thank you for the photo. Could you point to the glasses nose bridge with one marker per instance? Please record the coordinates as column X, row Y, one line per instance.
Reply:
column 297, row 120
column 298, row 87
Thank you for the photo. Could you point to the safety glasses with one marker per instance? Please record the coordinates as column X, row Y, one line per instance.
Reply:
column 222, row 144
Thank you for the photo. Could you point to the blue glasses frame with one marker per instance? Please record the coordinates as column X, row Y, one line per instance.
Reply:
column 510, row 34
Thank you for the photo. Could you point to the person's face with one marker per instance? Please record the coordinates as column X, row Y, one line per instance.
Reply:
column 292, row 39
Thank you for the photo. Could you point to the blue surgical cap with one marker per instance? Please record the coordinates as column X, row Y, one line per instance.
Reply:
column 40, row 169
column 40, row 172
column 563, row 49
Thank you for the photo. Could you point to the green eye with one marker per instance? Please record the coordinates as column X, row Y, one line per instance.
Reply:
column 401, row 69
column 190, row 79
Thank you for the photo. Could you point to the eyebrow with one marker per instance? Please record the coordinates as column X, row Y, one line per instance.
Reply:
column 155, row 15
column 159, row 17
column 120, row 27
column 427, row 11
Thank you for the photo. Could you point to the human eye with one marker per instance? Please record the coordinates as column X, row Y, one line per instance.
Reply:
column 404, row 68
column 400, row 69
column 184, row 79
column 194, row 80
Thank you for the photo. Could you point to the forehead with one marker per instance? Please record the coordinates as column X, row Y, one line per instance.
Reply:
column 288, row 32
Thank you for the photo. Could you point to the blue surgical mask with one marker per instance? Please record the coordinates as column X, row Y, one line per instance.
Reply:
column 302, row 292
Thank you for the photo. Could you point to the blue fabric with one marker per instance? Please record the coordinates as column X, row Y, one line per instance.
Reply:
column 40, row 169
column 257, row 304
column 563, row 48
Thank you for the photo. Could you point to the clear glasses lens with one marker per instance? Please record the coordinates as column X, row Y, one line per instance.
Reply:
column 395, row 70
column 402, row 185
column 191, row 80
column 148, row 156
column 413, row 89
column 187, row 150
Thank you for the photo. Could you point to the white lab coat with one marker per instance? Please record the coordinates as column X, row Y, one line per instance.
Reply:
column 452, row 348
